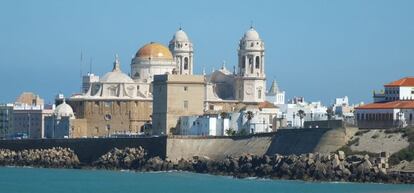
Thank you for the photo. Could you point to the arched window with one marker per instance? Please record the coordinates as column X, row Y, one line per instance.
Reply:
column 243, row 62
column 185, row 63
column 257, row 62
column 259, row 93
column 251, row 64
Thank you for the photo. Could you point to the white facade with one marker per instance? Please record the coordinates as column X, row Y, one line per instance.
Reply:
column 261, row 121
column 392, row 107
column 275, row 95
column 30, row 119
column 58, row 125
column 182, row 51
column 251, row 78
column 203, row 125
column 116, row 85
column 314, row 111
column 152, row 59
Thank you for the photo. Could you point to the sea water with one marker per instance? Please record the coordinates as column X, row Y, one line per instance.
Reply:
column 37, row 180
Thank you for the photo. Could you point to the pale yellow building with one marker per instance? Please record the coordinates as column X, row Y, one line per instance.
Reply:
column 175, row 96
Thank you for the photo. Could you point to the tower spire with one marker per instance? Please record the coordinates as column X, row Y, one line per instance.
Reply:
column 223, row 66
column 116, row 64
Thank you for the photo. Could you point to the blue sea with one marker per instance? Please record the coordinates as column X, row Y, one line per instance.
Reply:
column 37, row 180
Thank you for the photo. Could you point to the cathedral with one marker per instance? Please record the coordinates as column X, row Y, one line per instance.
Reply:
column 118, row 103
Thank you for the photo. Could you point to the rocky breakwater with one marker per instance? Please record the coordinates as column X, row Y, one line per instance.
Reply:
column 50, row 158
column 133, row 159
column 320, row 167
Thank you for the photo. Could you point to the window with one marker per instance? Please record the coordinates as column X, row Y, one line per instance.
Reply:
column 259, row 93
column 185, row 63
column 112, row 91
column 257, row 62
column 185, row 88
column 185, row 104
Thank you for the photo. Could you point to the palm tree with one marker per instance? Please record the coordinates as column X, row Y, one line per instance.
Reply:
column 329, row 113
column 301, row 114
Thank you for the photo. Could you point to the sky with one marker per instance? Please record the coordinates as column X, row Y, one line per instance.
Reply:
column 320, row 49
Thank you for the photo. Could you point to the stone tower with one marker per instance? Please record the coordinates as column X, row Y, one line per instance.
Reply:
column 251, row 76
column 182, row 51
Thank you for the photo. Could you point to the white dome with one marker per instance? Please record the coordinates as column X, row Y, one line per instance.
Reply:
column 180, row 35
column 251, row 34
column 64, row 110
column 116, row 77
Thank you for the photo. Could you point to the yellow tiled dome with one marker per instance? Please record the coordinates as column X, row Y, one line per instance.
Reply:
column 154, row 50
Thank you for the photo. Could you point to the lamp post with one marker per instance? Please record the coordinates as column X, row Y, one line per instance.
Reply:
column 30, row 125
column 400, row 121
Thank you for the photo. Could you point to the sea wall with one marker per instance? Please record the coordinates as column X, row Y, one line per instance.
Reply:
column 217, row 147
column 301, row 141
column 284, row 141
column 89, row 150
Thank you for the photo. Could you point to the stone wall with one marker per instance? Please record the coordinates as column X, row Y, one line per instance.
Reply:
column 300, row 141
column 89, row 150
column 288, row 141
column 284, row 141
column 105, row 117
column 216, row 147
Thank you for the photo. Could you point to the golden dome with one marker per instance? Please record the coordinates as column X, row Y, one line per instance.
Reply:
column 154, row 50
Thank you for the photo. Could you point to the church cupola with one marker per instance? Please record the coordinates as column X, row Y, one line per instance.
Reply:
column 182, row 50
column 251, row 54
column 250, row 75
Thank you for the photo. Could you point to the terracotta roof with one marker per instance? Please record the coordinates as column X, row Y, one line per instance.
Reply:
column 389, row 105
column 266, row 104
column 407, row 81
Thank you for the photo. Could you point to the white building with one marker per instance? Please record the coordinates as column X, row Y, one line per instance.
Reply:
column 58, row 125
column 30, row 119
column 6, row 120
column 246, row 83
column 343, row 110
column 392, row 107
column 182, row 50
column 275, row 95
column 249, row 120
column 205, row 125
column 314, row 111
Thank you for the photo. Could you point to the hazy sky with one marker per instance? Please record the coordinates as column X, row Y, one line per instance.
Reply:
column 316, row 49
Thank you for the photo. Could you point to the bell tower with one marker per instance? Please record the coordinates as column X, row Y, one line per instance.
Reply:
column 251, row 76
column 182, row 51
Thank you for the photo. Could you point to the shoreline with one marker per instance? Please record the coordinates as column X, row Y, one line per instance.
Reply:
column 208, row 174
column 306, row 167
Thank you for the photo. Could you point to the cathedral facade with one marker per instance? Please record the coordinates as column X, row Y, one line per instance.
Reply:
column 117, row 103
